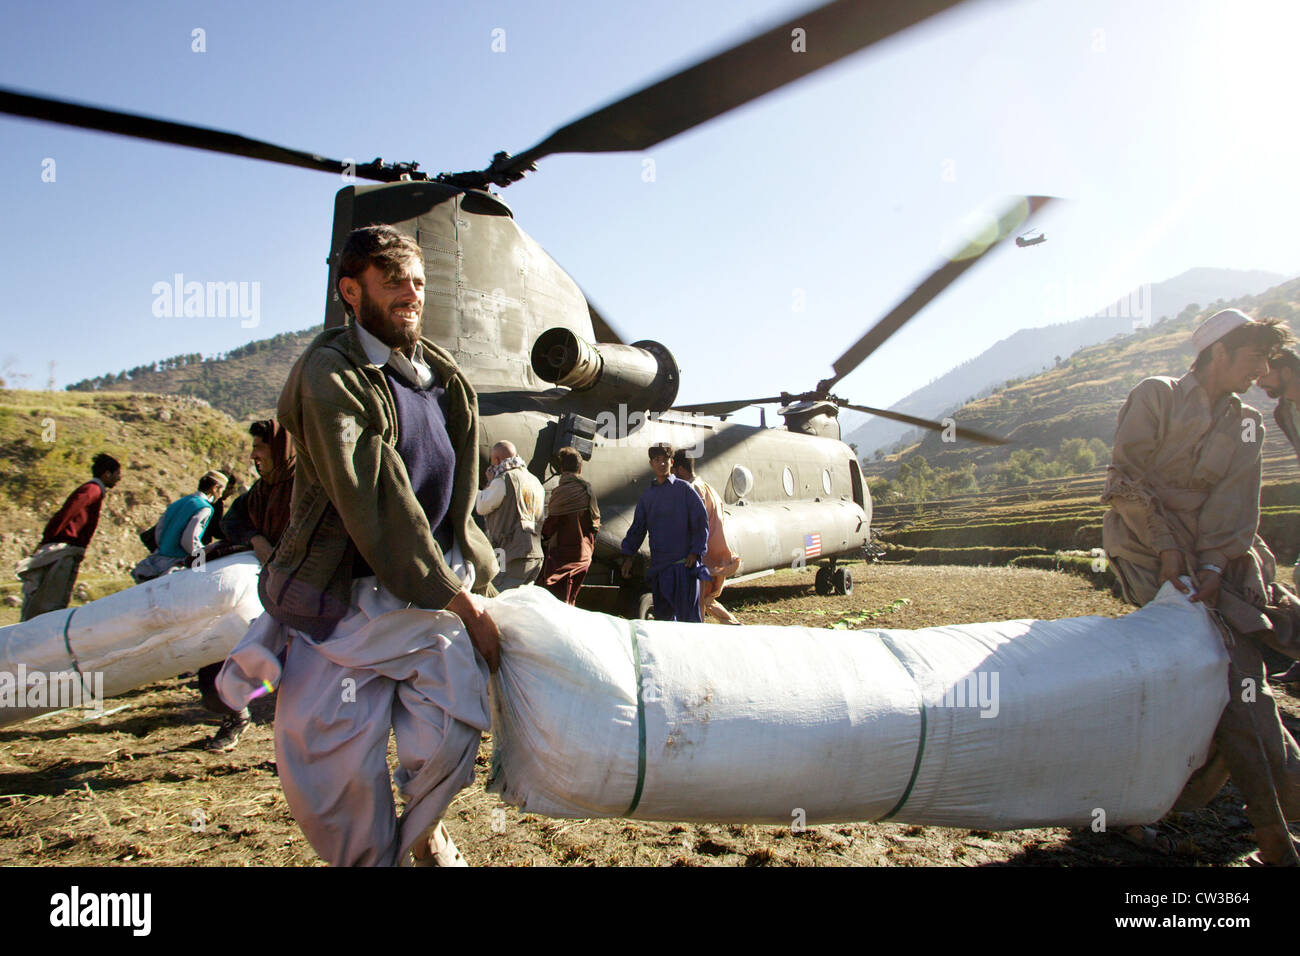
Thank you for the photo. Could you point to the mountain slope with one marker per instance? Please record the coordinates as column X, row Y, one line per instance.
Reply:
column 245, row 383
column 164, row 442
column 1027, row 351
column 1082, row 397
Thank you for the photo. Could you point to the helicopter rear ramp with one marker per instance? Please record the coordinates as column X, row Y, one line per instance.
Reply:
column 996, row 726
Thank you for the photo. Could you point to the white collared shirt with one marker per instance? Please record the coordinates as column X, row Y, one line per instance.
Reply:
column 415, row 370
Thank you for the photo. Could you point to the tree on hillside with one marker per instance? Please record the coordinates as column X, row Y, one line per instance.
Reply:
column 1077, row 456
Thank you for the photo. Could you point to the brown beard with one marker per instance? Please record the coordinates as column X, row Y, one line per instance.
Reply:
column 374, row 321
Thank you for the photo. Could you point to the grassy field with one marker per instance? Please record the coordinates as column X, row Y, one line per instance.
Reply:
column 134, row 787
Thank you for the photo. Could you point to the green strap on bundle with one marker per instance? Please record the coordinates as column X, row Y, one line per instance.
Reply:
column 67, row 643
column 640, row 723
column 920, row 745
column 640, row 728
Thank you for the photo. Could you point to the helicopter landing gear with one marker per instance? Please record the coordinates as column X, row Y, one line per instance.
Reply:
column 833, row 580
column 643, row 606
column 823, row 583
column 842, row 578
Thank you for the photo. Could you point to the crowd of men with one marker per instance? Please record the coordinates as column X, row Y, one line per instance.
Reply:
column 363, row 517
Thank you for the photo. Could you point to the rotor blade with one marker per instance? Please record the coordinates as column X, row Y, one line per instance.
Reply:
column 732, row 78
column 967, row 433
column 164, row 131
column 934, row 284
column 724, row 408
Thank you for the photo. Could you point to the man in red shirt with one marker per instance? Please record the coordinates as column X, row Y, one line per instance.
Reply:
column 49, row 574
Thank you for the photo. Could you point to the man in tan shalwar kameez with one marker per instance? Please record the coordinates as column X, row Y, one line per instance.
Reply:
column 721, row 561
column 1183, row 487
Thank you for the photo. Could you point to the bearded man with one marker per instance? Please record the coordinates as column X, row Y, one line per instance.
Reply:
column 373, row 587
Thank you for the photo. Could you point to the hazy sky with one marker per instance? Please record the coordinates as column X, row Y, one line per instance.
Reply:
column 1169, row 127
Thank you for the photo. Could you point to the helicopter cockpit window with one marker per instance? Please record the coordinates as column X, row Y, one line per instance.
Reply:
column 826, row 480
column 787, row 480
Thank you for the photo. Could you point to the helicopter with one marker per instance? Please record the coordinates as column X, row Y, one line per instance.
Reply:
column 550, row 371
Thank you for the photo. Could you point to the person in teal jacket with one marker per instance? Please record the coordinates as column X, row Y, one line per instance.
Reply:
column 179, row 533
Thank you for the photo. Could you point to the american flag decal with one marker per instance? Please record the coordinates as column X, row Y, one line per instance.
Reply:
column 812, row 545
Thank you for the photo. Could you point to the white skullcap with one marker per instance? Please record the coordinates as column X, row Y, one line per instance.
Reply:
column 1216, row 327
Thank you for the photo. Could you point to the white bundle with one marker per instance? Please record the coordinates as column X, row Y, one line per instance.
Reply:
column 156, row 630
column 996, row 726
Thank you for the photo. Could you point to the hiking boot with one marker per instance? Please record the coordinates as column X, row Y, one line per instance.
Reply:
column 232, row 728
column 442, row 851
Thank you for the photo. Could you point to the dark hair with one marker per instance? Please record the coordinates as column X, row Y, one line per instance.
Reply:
column 210, row 483
column 683, row 461
column 1270, row 335
column 104, row 465
column 570, row 459
column 661, row 449
column 1285, row 358
column 261, row 430
column 381, row 246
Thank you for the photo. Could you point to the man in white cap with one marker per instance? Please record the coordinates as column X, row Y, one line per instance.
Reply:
column 1183, row 486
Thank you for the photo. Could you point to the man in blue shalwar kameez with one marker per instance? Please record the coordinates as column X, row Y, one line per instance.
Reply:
column 678, row 524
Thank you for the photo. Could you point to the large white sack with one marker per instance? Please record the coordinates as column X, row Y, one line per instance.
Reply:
column 791, row 725
column 156, row 630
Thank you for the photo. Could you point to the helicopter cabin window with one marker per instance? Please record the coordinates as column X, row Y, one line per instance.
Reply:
column 787, row 480
column 855, row 479
column 826, row 480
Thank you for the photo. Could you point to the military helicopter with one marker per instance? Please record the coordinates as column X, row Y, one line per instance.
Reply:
column 551, row 371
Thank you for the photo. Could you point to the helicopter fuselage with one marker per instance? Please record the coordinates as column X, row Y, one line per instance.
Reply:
column 792, row 495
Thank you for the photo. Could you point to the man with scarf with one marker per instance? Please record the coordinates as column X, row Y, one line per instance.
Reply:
column 1183, row 486
column 512, row 504
column 572, row 520
column 256, row 519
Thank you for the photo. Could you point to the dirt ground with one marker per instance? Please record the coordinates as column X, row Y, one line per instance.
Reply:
column 133, row 786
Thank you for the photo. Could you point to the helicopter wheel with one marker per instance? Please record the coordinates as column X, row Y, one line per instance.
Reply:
column 644, row 607
column 842, row 579
column 824, row 583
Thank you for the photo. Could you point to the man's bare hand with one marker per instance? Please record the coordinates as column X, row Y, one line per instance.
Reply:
column 1172, row 567
column 692, row 560
column 480, row 627
column 1208, row 590
column 627, row 567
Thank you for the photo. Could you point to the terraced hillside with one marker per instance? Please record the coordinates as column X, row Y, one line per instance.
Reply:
column 1081, row 397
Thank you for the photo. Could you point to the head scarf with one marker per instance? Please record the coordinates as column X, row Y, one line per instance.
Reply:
column 572, row 496
column 269, row 498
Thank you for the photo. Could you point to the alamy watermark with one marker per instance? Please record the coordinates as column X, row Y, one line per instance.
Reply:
column 1065, row 301
column 623, row 428
column 978, row 690
column 208, row 300
column 59, row 690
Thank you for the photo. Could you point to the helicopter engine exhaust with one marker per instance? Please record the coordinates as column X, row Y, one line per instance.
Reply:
column 642, row 375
